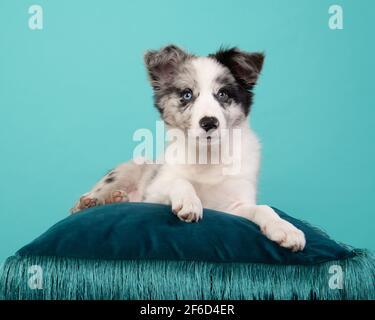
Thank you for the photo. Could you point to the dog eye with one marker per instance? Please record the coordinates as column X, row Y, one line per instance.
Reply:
column 187, row 95
column 223, row 95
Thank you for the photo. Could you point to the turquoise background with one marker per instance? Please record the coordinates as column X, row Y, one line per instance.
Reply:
column 72, row 94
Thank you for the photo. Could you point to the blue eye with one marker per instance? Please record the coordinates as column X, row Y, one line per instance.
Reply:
column 187, row 95
column 223, row 95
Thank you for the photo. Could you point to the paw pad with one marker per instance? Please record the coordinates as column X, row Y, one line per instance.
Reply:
column 117, row 196
column 86, row 202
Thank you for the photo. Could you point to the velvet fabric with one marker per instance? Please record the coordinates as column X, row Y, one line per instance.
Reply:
column 144, row 231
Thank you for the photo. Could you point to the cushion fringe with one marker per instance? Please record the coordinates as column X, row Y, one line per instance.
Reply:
column 78, row 279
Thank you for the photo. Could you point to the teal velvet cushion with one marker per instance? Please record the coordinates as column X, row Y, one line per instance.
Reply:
column 144, row 231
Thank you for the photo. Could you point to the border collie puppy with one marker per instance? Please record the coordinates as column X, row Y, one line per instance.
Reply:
column 207, row 99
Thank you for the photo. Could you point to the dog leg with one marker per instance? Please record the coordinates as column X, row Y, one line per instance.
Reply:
column 119, row 185
column 181, row 194
column 272, row 226
column 92, row 199
column 185, row 202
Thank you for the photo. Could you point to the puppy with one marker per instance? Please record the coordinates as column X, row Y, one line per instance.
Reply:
column 207, row 99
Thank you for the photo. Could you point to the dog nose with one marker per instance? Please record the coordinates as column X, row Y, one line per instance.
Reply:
column 208, row 123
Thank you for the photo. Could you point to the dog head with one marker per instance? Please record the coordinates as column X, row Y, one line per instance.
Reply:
column 203, row 94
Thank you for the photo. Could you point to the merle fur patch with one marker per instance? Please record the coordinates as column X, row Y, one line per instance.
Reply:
column 245, row 68
column 109, row 180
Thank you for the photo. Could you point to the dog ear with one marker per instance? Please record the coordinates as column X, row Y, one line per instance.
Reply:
column 162, row 64
column 245, row 66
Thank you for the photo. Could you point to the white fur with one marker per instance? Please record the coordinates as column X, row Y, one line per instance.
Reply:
column 207, row 71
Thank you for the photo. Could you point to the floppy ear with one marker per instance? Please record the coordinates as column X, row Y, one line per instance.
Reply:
column 245, row 66
column 162, row 64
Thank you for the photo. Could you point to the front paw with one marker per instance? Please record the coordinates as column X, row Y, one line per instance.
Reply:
column 285, row 234
column 188, row 208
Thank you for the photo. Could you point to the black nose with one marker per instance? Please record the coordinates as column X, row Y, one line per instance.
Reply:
column 208, row 123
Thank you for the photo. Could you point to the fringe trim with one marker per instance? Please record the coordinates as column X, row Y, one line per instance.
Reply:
column 78, row 279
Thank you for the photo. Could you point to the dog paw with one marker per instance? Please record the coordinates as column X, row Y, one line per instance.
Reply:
column 117, row 196
column 188, row 209
column 85, row 202
column 285, row 234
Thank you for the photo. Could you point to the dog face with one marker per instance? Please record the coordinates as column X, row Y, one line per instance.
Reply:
column 203, row 94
